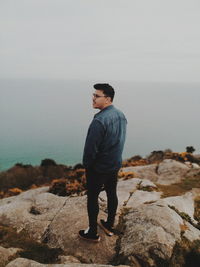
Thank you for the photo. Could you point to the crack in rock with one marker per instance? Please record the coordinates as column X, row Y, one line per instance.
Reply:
column 45, row 236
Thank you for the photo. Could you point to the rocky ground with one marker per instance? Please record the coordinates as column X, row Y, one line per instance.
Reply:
column 158, row 222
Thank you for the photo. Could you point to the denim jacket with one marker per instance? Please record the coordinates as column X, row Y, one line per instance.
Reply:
column 105, row 141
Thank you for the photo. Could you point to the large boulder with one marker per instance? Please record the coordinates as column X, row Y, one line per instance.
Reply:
column 56, row 221
column 144, row 172
column 171, row 171
column 167, row 172
column 31, row 211
column 62, row 233
column 151, row 234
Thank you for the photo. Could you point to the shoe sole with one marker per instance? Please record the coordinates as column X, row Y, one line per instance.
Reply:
column 90, row 240
column 105, row 230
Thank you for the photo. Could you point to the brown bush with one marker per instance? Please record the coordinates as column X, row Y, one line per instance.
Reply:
column 126, row 175
column 18, row 177
column 133, row 162
column 58, row 187
column 74, row 184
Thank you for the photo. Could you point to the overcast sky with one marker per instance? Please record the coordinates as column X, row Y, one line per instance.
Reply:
column 135, row 40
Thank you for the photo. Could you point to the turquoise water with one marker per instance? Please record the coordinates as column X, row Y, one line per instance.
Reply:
column 49, row 119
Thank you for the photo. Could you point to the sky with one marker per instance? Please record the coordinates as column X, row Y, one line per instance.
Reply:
column 127, row 40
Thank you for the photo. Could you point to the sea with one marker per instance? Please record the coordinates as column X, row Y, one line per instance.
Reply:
column 42, row 119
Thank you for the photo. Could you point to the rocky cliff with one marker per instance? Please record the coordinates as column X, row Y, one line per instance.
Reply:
column 157, row 223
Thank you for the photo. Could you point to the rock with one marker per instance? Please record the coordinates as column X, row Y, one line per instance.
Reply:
column 68, row 259
column 151, row 228
column 56, row 221
column 125, row 189
column 147, row 183
column 6, row 254
column 144, row 172
column 167, row 172
column 27, row 195
column 63, row 233
column 139, row 197
column 188, row 164
column 195, row 166
column 150, row 231
column 32, row 211
column 192, row 165
column 151, row 234
column 21, row 262
column 171, row 171
column 184, row 203
column 191, row 233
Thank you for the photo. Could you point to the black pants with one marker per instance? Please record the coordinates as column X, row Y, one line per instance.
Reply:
column 95, row 182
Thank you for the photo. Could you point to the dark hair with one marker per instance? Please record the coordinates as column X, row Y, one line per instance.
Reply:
column 106, row 88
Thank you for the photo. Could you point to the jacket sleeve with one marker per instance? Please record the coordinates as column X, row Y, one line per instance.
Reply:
column 94, row 138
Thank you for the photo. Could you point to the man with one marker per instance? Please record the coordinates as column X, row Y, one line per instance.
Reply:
column 102, row 159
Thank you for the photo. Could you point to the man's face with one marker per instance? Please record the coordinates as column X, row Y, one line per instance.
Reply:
column 100, row 101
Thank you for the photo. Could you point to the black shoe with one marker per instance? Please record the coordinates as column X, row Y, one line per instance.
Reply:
column 107, row 229
column 86, row 235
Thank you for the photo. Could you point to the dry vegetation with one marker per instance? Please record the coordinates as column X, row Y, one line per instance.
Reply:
column 30, row 249
column 64, row 180
column 74, row 185
column 192, row 180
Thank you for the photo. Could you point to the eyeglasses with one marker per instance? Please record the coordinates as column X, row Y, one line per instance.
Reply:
column 98, row 96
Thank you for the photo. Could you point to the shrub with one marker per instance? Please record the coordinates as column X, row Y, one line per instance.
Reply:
column 78, row 166
column 58, row 187
column 190, row 149
column 48, row 162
